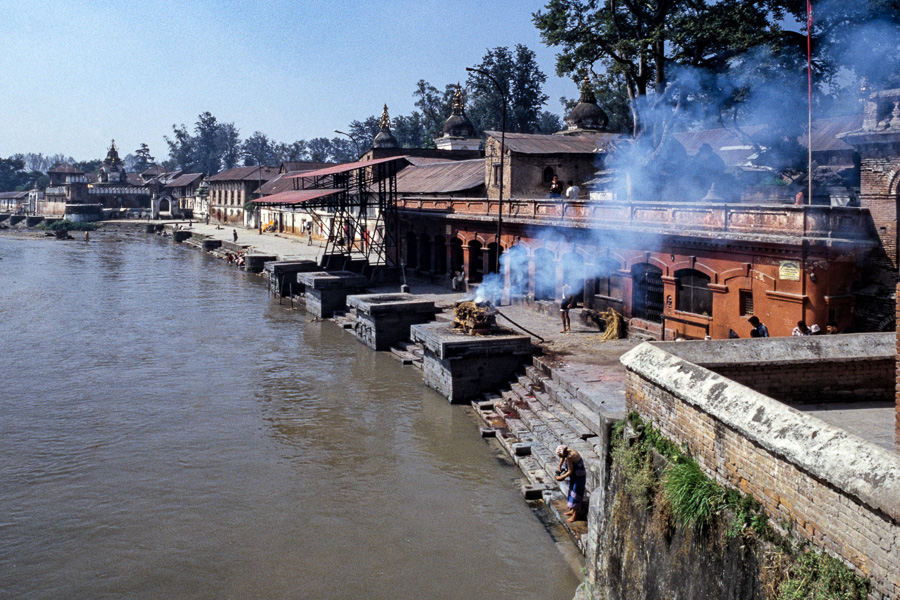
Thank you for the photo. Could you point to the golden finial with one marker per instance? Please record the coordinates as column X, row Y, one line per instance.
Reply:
column 385, row 122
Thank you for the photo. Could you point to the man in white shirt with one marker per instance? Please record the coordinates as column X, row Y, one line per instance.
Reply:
column 572, row 191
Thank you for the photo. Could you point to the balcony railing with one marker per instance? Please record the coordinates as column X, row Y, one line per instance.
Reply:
column 672, row 218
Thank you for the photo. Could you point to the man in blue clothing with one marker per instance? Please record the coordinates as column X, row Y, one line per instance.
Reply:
column 759, row 329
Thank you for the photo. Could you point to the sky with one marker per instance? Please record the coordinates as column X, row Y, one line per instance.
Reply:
column 77, row 74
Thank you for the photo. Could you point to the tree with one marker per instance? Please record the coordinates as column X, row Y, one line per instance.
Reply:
column 88, row 166
column 520, row 79
column 229, row 145
column 411, row 131
column 342, row 151
column 666, row 49
column 258, row 150
column 212, row 146
column 207, row 146
column 142, row 159
column 364, row 132
column 11, row 173
column 182, row 153
column 319, row 149
column 435, row 106
column 291, row 152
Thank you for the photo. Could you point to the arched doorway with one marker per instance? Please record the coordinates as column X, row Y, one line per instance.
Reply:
column 573, row 275
column 492, row 257
column 476, row 262
column 515, row 262
column 456, row 255
column 440, row 255
column 544, row 275
column 647, row 292
column 424, row 253
column 412, row 253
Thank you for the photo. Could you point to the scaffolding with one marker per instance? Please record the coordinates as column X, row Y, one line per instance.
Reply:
column 355, row 204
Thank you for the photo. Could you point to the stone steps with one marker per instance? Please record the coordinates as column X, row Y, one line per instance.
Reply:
column 533, row 417
column 408, row 353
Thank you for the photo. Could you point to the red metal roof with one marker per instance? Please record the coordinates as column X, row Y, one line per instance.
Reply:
column 295, row 196
column 345, row 167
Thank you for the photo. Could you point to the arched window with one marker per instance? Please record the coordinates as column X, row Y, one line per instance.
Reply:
column 548, row 174
column 647, row 292
column 692, row 293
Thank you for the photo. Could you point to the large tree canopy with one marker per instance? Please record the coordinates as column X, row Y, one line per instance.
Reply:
column 664, row 49
column 520, row 80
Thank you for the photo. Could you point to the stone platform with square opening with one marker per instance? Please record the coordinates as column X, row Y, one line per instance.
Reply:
column 327, row 292
column 382, row 320
column 462, row 366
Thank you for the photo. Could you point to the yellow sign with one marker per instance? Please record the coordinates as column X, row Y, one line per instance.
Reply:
column 789, row 270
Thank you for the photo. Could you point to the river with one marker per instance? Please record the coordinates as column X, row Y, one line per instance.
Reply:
column 169, row 431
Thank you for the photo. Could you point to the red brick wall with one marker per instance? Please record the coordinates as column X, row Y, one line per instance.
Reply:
column 871, row 378
column 829, row 518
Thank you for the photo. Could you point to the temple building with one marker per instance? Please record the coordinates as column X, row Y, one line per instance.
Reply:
column 689, row 262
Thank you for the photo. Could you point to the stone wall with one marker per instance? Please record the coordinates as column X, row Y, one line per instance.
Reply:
column 838, row 491
column 805, row 369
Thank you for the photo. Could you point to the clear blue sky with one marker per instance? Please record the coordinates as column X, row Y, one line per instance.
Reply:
column 76, row 74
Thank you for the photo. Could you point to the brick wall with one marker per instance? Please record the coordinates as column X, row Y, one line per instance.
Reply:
column 817, row 380
column 839, row 492
column 897, row 388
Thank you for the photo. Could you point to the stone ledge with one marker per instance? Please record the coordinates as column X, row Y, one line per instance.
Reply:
column 856, row 467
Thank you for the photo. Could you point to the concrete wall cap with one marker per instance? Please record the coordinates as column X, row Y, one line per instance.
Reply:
column 853, row 465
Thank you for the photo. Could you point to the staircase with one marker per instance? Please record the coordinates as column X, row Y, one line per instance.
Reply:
column 530, row 420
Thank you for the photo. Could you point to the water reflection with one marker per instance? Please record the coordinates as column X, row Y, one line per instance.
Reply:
column 168, row 431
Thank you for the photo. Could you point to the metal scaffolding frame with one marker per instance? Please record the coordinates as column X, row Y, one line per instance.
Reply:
column 354, row 196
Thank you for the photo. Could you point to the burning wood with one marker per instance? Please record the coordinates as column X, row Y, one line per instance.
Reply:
column 474, row 317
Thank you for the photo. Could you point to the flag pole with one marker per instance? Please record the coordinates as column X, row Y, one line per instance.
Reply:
column 809, row 23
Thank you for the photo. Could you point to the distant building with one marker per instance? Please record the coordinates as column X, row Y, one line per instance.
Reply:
column 230, row 190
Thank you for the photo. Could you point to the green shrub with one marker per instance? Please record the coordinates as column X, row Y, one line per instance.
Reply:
column 817, row 576
column 695, row 498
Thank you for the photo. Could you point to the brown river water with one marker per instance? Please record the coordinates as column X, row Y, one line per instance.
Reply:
column 169, row 431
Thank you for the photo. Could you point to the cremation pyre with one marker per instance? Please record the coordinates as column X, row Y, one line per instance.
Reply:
column 474, row 317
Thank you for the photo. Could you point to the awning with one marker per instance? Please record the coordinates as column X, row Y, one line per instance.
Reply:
column 294, row 197
column 344, row 168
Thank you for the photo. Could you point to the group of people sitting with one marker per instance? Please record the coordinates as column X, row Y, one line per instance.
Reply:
column 236, row 259
column 802, row 329
column 760, row 329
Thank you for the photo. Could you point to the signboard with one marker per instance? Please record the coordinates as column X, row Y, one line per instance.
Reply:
column 789, row 270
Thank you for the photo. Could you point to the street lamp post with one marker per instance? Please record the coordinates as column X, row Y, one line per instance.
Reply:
column 502, row 157
column 352, row 139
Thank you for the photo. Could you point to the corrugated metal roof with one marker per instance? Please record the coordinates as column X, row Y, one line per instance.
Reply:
column 825, row 132
column 245, row 173
column 426, row 160
column 186, row 179
column 13, row 195
column 295, row 196
column 534, row 143
column 735, row 150
column 303, row 165
column 441, row 178
column 344, row 168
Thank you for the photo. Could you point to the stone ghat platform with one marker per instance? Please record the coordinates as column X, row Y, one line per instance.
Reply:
column 460, row 366
column 326, row 292
column 383, row 320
